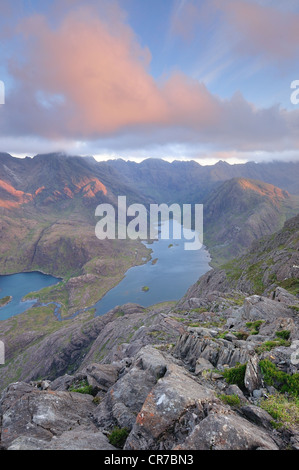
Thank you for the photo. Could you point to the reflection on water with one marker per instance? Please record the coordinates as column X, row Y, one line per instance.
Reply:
column 168, row 278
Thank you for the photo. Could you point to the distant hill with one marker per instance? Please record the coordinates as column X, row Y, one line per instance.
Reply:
column 190, row 182
column 60, row 182
column 47, row 204
column 241, row 211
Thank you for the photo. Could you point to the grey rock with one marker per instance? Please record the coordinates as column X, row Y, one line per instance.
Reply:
column 203, row 332
column 235, row 390
column 258, row 416
column 152, row 360
column 41, row 414
column 191, row 346
column 257, row 338
column 165, row 408
column 125, row 399
column 257, row 393
column 227, row 432
column 79, row 438
column 45, row 384
column 282, row 295
column 230, row 337
column 62, row 383
column 252, row 379
column 294, row 441
column 128, row 309
column 202, row 365
column 101, row 376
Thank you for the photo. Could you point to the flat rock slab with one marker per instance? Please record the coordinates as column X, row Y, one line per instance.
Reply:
column 27, row 411
column 80, row 438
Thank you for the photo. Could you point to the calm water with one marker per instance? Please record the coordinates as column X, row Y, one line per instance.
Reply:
column 169, row 278
column 174, row 271
column 17, row 286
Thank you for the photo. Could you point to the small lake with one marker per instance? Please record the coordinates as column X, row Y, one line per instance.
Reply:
column 168, row 278
column 17, row 286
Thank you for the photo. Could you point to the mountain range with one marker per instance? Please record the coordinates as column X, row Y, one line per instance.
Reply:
column 47, row 204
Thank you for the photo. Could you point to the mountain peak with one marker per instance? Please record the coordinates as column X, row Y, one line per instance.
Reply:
column 263, row 189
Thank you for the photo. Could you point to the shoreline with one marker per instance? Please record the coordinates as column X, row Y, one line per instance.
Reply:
column 5, row 302
column 136, row 262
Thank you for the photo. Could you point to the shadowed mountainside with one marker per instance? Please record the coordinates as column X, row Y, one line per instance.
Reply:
column 241, row 211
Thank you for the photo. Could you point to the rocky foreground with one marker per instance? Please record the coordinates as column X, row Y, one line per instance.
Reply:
column 215, row 372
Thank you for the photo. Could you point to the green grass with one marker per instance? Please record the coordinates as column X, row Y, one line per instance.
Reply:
column 235, row 375
column 291, row 285
column 5, row 300
column 283, row 334
column 283, row 382
column 285, row 411
column 199, row 310
column 233, row 270
column 237, row 299
column 271, row 344
column 255, row 326
column 82, row 387
column 118, row 437
column 231, row 400
column 222, row 335
column 243, row 335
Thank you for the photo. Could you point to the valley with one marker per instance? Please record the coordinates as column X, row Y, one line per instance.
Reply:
column 217, row 369
column 238, row 317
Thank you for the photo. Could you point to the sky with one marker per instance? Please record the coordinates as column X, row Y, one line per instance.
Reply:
column 206, row 80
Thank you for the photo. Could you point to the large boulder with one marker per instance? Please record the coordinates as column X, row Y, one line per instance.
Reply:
column 169, row 411
column 125, row 399
column 227, row 431
column 28, row 412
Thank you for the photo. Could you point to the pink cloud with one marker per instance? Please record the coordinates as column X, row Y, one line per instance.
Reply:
column 262, row 30
column 88, row 77
column 102, row 75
